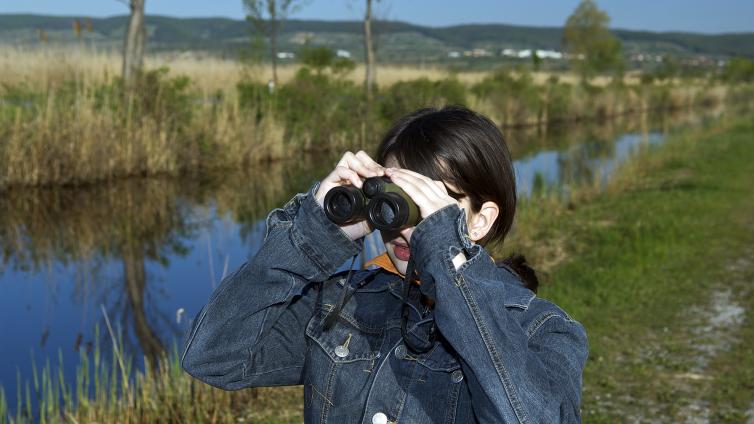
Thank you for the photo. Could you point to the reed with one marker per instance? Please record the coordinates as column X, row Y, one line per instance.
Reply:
column 108, row 388
column 65, row 118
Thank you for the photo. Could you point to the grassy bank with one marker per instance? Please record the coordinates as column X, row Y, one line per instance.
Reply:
column 64, row 122
column 659, row 270
column 655, row 267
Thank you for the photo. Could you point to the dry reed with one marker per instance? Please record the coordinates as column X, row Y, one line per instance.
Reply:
column 62, row 120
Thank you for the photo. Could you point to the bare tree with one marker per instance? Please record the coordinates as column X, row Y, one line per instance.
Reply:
column 370, row 77
column 133, row 49
column 267, row 16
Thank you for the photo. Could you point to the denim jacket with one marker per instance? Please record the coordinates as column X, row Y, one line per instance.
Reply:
column 502, row 354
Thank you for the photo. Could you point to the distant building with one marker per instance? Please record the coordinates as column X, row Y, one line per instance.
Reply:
column 527, row 53
column 343, row 53
column 477, row 53
column 454, row 55
column 481, row 53
column 286, row 55
column 549, row 54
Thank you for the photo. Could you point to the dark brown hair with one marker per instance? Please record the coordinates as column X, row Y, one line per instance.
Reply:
column 466, row 149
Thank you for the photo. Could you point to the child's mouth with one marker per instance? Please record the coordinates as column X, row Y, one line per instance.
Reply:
column 401, row 251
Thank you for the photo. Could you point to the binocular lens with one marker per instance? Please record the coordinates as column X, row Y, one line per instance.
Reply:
column 344, row 204
column 385, row 213
column 341, row 206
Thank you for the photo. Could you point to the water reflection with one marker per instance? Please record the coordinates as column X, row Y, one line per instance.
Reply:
column 151, row 251
column 133, row 247
column 563, row 157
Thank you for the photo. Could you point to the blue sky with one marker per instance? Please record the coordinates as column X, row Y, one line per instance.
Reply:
column 708, row 16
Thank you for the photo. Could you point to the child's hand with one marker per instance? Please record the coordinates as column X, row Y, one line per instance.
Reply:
column 351, row 169
column 429, row 195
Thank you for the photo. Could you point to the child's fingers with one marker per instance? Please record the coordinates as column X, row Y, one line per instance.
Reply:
column 412, row 189
column 426, row 183
column 349, row 160
column 364, row 157
column 345, row 174
column 442, row 187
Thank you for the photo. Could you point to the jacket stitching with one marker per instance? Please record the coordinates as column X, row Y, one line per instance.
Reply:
column 450, row 417
column 328, row 392
column 273, row 371
column 537, row 324
column 524, row 306
column 500, row 368
column 401, row 404
column 299, row 241
column 350, row 319
column 193, row 334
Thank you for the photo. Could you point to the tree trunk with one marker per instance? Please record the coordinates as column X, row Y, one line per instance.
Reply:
column 274, row 40
column 369, row 53
column 133, row 51
column 136, row 284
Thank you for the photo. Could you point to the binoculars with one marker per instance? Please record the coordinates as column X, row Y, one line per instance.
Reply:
column 382, row 203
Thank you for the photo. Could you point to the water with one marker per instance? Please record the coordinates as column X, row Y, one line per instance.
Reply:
column 150, row 252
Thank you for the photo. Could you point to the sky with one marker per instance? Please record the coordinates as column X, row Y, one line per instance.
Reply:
column 708, row 16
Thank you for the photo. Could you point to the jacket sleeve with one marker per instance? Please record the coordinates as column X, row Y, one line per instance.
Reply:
column 515, row 374
column 251, row 331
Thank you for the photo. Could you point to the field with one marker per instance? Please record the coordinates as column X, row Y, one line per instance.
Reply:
column 43, row 67
column 658, row 269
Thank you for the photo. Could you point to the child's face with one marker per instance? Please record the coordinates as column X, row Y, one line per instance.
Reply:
column 397, row 242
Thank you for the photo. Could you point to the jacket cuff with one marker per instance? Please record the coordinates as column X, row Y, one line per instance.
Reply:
column 323, row 241
column 437, row 239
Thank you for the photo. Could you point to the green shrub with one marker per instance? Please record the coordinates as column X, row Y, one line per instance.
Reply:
column 253, row 95
column 513, row 98
column 559, row 101
column 738, row 70
column 157, row 96
column 407, row 96
column 319, row 108
column 320, row 59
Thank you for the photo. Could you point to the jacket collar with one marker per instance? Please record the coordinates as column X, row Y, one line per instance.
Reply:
column 518, row 296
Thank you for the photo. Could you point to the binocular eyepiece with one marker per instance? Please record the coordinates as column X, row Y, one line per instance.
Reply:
column 382, row 203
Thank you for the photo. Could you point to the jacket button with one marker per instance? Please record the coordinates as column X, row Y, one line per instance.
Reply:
column 456, row 376
column 379, row 418
column 341, row 351
column 400, row 352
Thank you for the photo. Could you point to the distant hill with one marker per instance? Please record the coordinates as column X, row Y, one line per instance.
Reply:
column 397, row 41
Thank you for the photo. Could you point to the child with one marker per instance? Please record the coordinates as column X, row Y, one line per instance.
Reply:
column 437, row 332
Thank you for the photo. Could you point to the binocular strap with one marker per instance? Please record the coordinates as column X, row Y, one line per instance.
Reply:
column 405, row 311
column 349, row 290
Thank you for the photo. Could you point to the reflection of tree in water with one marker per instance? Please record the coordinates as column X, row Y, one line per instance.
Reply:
column 580, row 163
column 133, row 222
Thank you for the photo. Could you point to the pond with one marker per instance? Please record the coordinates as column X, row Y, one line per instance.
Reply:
column 147, row 253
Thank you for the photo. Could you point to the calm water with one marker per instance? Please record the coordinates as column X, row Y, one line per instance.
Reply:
column 150, row 252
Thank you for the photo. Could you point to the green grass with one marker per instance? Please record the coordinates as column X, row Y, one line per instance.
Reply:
column 640, row 257
column 161, row 393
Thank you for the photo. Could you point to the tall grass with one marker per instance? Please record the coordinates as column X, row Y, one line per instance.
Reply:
column 109, row 389
column 66, row 119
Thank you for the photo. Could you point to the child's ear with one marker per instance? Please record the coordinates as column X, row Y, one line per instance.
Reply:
column 482, row 221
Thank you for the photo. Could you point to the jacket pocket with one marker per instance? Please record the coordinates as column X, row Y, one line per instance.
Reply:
column 439, row 387
column 339, row 367
column 346, row 341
